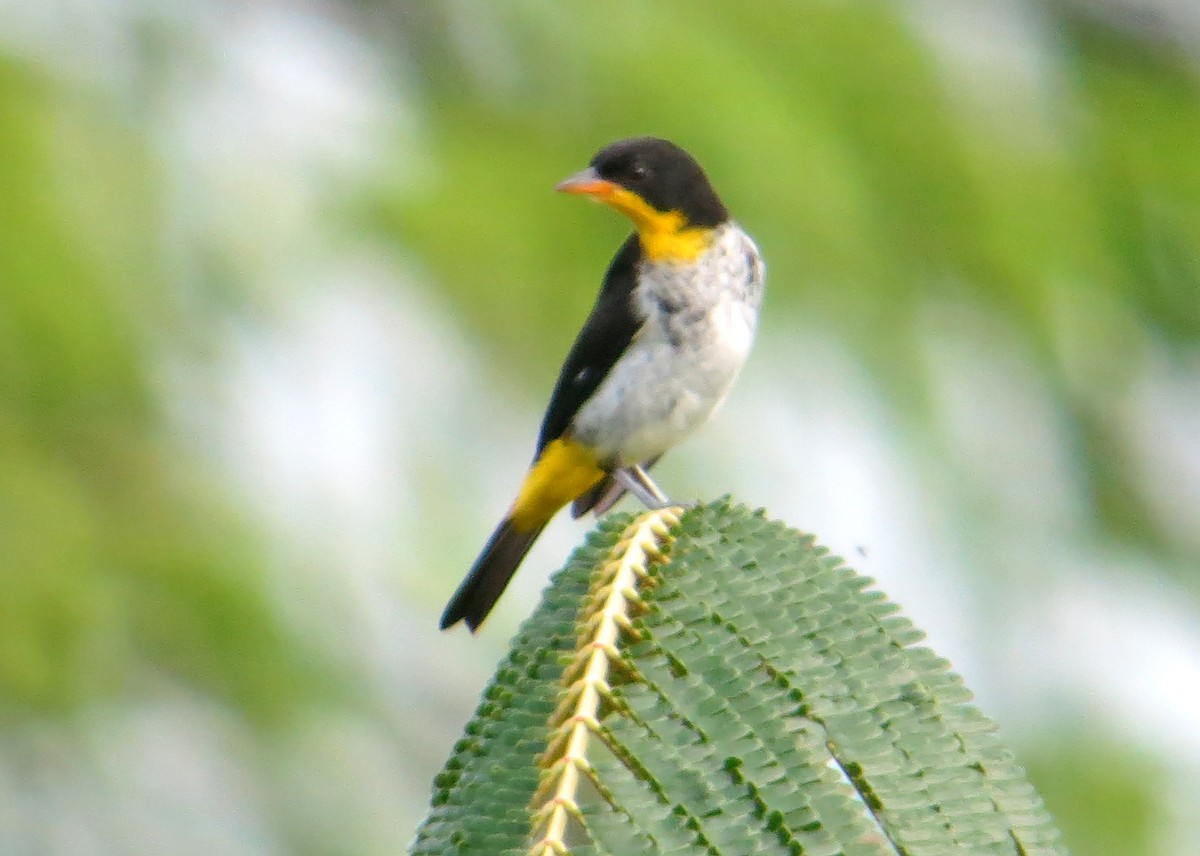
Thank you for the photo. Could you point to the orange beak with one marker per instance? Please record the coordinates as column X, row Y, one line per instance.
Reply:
column 587, row 182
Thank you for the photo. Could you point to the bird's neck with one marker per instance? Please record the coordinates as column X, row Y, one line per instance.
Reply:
column 665, row 236
column 680, row 244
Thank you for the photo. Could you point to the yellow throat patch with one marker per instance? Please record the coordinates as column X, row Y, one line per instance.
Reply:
column 664, row 236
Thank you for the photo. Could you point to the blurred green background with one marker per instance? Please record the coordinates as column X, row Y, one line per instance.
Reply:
column 284, row 286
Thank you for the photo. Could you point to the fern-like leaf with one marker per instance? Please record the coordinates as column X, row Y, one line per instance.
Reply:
column 765, row 700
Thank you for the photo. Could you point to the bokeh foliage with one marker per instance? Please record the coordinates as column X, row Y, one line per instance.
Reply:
column 122, row 568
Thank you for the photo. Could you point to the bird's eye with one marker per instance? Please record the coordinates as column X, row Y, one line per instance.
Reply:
column 638, row 172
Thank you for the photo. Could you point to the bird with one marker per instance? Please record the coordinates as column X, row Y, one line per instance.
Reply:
column 668, row 334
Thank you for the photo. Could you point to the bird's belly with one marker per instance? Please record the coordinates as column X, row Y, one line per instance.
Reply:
column 665, row 386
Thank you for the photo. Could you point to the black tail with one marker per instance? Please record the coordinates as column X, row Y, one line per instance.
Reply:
column 489, row 575
column 603, row 489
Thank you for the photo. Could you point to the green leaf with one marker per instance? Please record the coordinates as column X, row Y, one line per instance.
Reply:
column 772, row 702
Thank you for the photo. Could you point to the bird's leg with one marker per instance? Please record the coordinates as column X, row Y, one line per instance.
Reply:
column 644, row 479
column 635, row 480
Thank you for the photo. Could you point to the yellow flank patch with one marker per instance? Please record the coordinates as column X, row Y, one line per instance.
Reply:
column 665, row 236
column 563, row 471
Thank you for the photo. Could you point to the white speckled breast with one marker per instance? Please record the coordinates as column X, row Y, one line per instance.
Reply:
column 700, row 319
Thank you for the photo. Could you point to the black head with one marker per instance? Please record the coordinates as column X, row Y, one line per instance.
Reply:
column 665, row 176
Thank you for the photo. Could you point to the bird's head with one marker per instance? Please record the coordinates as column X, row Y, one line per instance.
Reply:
column 658, row 186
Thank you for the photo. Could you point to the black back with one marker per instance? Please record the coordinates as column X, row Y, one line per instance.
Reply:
column 606, row 334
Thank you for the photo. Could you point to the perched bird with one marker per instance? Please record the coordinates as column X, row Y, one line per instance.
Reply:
column 669, row 332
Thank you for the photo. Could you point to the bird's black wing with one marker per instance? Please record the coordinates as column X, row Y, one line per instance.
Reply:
column 606, row 334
